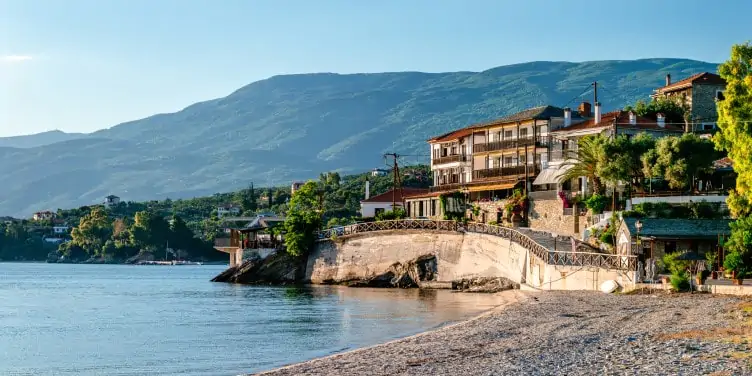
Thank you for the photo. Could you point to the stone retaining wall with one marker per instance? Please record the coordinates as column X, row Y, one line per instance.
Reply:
column 458, row 255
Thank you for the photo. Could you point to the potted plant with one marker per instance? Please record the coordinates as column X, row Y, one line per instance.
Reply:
column 702, row 275
column 734, row 262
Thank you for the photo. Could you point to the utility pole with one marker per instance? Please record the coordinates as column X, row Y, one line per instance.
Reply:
column 397, row 183
column 595, row 92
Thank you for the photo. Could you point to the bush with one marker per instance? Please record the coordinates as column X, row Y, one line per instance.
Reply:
column 680, row 282
column 493, row 223
column 596, row 203
column 397, row 213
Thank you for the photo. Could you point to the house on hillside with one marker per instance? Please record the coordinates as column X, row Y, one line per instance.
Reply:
column 295, row 186
column 43, row 216
column 372, row 206
column 700, row 93
column 111, row 201
column 227, row 209
column 379, row 172
column 60, row 229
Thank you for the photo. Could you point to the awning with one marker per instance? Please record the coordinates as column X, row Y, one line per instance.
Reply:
column 491, row 187
column 551, row 174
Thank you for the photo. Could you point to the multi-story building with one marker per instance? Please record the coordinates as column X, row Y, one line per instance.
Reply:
column 700, row 93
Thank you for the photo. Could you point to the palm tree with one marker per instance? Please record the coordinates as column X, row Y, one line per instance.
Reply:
column 585, row 160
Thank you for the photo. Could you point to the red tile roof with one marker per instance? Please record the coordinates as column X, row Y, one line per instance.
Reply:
column 387, row 196
column 725, row 162
column 453, row 135
column 699, row 78
column 621, row 118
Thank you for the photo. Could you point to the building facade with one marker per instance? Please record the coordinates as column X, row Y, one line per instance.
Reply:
column 700, row 93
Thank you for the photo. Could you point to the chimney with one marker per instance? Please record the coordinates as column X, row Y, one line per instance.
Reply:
column 661, row 119
column 632, row 118
column 567, row 116
column 584, row 109
column 368, row 189
column 597, row 112
column 668, row 79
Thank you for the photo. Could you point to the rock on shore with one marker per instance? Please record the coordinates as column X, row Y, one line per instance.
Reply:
column 567, row 333
column 278, row 268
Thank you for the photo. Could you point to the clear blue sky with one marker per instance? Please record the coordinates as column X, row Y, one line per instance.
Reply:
column 82, row 65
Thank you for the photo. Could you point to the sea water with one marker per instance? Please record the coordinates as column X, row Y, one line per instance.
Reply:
column 58, row 319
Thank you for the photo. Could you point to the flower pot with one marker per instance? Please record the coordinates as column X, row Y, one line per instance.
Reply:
column 738, row 281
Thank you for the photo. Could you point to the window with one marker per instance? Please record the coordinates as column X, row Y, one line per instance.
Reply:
column 508, row 161
column 708, row 126
column 420, row 208
column 507, row 134
column 719, row 95
column 522, row 159
column 523, row 132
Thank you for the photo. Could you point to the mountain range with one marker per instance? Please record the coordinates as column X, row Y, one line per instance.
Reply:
column 292, row 127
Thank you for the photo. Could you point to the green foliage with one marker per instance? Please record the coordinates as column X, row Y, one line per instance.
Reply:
column 674, row 265
column 93, row 231
column 735, row 123
column 680, row 282
column 586, row 161
column 680, row 159
column 397, row 213
column 596, row 203
column 621, row 158
column 692, row 210
column 675, row 110
column 739, row 246
column 336, row 222
column 303, row 219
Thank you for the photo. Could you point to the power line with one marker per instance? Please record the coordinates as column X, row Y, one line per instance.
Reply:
column 588, row 88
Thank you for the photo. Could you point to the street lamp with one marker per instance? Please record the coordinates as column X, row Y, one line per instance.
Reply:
column 466, row 193
column 638, row 226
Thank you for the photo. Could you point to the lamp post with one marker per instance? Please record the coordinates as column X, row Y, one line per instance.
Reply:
column 638, row 226
column 466, row 194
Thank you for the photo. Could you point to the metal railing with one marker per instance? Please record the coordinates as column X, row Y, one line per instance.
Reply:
column 449, row 159
column 551, row 257
column 512, row 172
column 510, row 144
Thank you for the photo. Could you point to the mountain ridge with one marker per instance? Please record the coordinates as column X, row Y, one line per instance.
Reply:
column 290, row 127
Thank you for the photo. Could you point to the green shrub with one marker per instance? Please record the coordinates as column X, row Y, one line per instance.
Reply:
column 397, row 213
column 596, row 203
column 493, row 223
column 673, row 265
column 680, row 282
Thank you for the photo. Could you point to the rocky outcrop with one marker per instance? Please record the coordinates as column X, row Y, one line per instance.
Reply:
column 484, row 284
column 401, row 275
column 279, row 268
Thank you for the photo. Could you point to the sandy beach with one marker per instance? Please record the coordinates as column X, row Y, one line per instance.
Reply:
column 568, row 333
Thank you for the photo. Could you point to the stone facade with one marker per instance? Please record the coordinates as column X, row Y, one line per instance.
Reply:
column 490, row 211
column 703, row 102
column 548, row 215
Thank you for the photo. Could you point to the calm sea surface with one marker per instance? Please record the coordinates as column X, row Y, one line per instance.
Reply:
column 170, row 320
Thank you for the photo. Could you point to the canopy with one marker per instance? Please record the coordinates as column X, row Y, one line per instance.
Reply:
column 491, row 187
column 551, row 174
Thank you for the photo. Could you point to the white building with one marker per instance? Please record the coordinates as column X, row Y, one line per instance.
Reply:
column 111, row 201
column 379, row 172
column 372, row 206
column 60, row 229
column 44, row 216
column 224, row 210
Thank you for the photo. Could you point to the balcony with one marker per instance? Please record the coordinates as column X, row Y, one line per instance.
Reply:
column 449, row 159
column 499, row 172
column 510, row 144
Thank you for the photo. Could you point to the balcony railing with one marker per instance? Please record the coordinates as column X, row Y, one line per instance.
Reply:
column 450, row 159
column 510, row 144
column 514, row 171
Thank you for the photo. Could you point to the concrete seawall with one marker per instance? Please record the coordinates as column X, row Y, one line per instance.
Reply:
column 458, row 255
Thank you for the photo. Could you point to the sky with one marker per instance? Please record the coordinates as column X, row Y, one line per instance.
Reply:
column 83, row 65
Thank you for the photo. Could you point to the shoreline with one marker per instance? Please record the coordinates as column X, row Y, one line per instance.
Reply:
column 575, row 333
column 514, row 296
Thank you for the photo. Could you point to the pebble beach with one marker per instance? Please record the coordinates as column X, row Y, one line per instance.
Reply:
column 568, row 333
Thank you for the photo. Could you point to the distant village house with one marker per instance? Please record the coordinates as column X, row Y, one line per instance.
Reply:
column 295, row 186
column 111, row 201
column 44, row 216
column 373, row 206
column 227, row 209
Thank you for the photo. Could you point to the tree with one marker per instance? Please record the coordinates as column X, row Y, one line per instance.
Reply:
column 303, row 219
column 679, row 160
column 674, row 110
column 149, row 231
column 735, row 123
column 248, row 199
column 622, row 158
column 93, row 231
column 585, row 161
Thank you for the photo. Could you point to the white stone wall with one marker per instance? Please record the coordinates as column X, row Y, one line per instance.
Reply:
column 458, row 256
